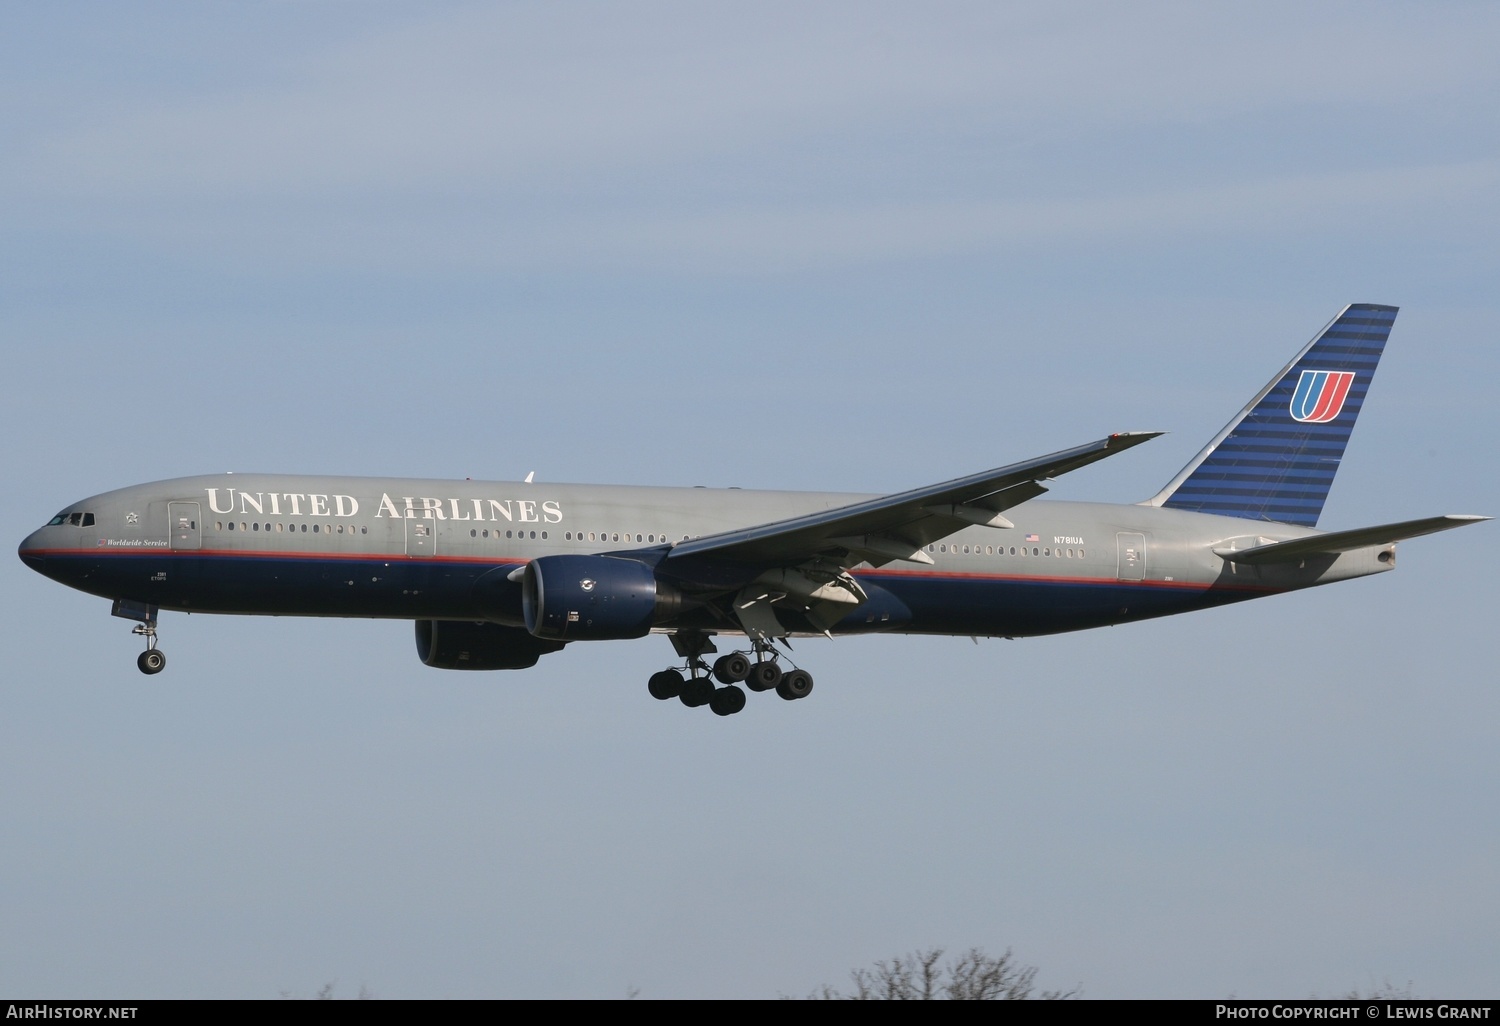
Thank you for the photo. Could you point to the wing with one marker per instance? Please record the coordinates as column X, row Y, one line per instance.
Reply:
column 802, row 564
column 899, row 526
column 1345, row 541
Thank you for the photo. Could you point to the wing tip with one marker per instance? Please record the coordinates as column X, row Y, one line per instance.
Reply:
column 1125, row 439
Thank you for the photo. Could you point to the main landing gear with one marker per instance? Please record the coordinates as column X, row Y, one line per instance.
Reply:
column 758, row 670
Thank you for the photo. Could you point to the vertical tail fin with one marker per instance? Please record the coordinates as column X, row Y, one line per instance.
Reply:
column 1276, row 459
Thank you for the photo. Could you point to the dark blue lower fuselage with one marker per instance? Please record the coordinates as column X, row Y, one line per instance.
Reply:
column 399, row 587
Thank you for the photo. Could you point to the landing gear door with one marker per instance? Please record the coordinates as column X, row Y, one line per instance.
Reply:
column 1132, row 556
column 183, row 525
column 421, row 537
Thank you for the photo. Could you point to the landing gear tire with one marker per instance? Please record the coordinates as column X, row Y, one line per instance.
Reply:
column 727, row 701
column 763, row 676
column 666, row 684
column 795, row 685
column 151, row 661
column 697, row 691
column 731, row 668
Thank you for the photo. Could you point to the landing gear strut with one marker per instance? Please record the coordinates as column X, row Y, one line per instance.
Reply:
column 153, row 660
column 757, row 669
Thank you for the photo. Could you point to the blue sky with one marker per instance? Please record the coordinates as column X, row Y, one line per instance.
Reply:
column 853, row 246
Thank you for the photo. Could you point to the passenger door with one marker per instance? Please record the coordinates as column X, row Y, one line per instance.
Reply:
column 184, row 528
column 421, row 537
column 1132, row 556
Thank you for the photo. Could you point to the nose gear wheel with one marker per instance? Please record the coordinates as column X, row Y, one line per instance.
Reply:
column 153, row 660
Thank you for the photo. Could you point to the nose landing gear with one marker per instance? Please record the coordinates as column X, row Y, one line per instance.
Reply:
column 153, row 660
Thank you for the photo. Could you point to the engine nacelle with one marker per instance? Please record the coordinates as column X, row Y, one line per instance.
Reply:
column 594, row 598
column 463, row 645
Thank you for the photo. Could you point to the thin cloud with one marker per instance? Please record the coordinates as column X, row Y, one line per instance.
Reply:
column 525, row 94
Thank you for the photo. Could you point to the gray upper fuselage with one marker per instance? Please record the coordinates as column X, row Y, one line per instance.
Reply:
column 139, row 542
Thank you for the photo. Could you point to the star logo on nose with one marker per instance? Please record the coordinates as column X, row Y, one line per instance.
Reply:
column 132, row 518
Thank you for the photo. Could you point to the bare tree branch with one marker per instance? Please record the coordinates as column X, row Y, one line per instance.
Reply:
column 922, row 976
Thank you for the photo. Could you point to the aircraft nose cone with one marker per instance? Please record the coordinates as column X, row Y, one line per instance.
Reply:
column 31, row 553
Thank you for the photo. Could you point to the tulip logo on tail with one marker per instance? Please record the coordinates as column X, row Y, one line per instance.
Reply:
column 1320, row 395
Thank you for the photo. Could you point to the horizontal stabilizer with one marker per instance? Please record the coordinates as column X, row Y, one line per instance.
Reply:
column 1345, row 541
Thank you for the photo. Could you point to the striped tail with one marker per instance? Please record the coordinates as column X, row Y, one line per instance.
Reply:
column 1276, row 459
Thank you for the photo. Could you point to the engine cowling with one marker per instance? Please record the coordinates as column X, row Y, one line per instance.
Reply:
column 462, row 645
column 594, row 598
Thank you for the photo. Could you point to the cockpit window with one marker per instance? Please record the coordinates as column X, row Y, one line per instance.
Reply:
column 61, row 518
column 75, row 519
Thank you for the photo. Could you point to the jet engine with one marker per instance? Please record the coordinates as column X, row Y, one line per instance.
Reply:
column 463, row 645
column 594, row 598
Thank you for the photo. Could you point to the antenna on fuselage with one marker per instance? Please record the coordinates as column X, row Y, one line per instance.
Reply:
column 529, row 476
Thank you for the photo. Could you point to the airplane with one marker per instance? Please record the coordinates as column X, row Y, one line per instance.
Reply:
column 497, row 574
